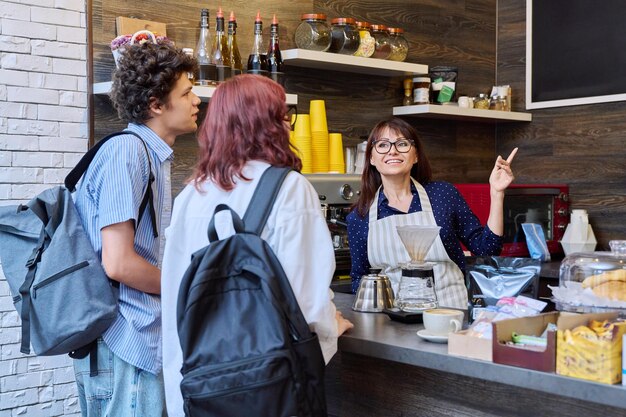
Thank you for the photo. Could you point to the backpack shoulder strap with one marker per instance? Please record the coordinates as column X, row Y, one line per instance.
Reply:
column 148, row 199
column 263, row 199
column 75, row 174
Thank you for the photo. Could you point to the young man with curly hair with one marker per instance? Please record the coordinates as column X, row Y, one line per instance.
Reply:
column 152, row 92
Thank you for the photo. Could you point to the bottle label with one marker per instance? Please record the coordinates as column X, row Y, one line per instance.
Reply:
column 223, row 72
column 206, row 73
column 420, row 96
column 258, row 72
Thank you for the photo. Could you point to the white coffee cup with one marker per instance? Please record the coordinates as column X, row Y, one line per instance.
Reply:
column 441, row 321
column 464, row 102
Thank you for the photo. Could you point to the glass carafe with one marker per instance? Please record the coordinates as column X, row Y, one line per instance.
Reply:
column 416, row 291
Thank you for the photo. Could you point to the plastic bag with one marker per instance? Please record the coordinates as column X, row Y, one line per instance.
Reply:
column 536, row 242
column 494, row 277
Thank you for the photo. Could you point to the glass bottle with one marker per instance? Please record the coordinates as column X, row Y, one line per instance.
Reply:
column 274, row 57
column 221, row 56
column 192, row 76
column 233, row 49
column 408, row 92
column 257, row 61
column 206, row 70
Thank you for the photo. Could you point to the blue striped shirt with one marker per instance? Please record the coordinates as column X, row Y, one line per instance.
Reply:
column 110, row 192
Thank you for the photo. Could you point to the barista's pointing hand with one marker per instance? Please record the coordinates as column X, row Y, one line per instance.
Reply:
column 502, row 175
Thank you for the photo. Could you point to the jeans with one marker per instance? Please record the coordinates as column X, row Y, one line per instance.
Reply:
column 119, row 389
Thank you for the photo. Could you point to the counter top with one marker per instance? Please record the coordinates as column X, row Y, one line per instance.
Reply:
column 376, row 336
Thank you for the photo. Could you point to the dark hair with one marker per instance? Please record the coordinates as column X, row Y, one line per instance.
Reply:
column 370, row 180
column 146, row 71
column 245, row 121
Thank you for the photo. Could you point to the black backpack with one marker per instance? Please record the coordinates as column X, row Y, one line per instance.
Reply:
column 247, row 349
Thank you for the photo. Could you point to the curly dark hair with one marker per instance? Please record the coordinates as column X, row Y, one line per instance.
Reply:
column 146, row 71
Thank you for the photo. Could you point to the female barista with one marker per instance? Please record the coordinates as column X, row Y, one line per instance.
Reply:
column 396, row 189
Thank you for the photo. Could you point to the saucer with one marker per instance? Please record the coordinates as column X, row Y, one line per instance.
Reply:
column 425, row 334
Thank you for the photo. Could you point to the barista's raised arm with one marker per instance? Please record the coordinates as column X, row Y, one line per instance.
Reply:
column 501, row 177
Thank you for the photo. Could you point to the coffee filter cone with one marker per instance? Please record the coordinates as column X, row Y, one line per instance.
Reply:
column 418, row 239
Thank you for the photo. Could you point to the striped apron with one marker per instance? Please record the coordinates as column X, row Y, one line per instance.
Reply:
column 386, row 251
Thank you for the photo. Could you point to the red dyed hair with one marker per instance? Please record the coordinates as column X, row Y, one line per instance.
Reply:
column 245, row 121
column 370, row 179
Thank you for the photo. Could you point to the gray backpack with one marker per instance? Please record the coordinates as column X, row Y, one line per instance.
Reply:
column 59, row 288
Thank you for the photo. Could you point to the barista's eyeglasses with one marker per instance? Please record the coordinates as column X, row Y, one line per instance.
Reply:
column 292, row 111
column 383, row 146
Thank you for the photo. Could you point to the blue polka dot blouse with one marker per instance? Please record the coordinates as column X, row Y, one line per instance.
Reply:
column 457, row 221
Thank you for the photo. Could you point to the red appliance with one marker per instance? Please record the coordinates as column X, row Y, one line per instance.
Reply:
column 546, row 204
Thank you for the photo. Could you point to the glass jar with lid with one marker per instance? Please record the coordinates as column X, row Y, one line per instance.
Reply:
column 593, row 281
column 421, row 89
column 399, row 44
column 313, row 32
column 382, row 49
column 367, row 43
column 344, row 36
column 481, row 101
column 498, row 103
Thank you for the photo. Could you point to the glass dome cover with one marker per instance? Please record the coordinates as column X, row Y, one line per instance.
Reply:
column 593, row 281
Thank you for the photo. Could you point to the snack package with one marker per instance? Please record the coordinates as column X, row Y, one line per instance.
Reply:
column 592, row 352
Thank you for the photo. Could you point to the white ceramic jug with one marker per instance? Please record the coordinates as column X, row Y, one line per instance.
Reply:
column 578, row 236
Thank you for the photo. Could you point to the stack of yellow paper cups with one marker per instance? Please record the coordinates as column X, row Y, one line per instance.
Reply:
column 319, row 136
column 302, row 140
column 335, row 154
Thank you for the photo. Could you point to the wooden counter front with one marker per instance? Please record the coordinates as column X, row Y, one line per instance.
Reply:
column 384, row 369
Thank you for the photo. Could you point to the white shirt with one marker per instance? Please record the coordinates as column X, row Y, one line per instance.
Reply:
column 296, row 232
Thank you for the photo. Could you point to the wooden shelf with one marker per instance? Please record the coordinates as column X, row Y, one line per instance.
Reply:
column 204, row 92
column 349, row 63
column 451, row 112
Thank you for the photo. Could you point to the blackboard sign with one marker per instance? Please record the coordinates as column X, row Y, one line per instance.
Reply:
column 575, row 52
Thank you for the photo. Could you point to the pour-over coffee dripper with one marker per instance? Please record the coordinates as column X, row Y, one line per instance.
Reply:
column 416, row 291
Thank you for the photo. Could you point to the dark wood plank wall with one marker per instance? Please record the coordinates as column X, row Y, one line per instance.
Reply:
column 445, row 32
column 583, row 146
column 448, row 32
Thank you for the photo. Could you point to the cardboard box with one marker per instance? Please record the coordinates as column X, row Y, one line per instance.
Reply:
column 128, row 26
column 582, row 354
column 543, row 360
column 461, row 344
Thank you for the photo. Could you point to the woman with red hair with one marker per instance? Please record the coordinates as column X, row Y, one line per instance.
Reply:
column 245, row 131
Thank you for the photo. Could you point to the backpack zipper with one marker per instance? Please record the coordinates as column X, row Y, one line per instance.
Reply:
column 211, row 368
column 58, row 275
column 238, row 390
column 203, row 370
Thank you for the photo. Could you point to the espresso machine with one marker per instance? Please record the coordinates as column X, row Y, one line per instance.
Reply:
column 337, row 193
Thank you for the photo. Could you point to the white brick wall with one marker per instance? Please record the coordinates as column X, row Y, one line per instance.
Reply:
column 43, row 132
